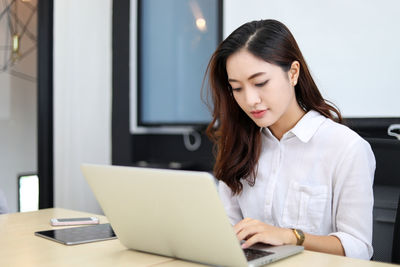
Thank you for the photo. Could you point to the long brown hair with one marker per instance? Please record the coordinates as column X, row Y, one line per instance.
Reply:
column 236, row 136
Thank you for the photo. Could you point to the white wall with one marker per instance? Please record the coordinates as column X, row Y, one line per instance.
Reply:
column 18, row 113
column 82, row 97
column 350, row 46
column 18, row 137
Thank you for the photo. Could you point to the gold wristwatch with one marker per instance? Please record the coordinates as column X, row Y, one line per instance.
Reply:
column 299, row 236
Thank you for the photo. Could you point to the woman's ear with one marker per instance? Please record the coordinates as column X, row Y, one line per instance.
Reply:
column 294, row 72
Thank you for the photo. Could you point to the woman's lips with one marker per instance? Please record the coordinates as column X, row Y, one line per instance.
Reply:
column 258, row 113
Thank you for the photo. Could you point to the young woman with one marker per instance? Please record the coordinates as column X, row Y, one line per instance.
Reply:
column 289, row 172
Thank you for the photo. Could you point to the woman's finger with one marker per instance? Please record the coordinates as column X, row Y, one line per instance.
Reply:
column 240, row 225
column 252, row 240
column 247, row 232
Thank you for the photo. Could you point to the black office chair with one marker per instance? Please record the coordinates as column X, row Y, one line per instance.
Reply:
column 396, row 237
column 386, row 195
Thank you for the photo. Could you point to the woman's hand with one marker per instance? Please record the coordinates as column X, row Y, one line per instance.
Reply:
column 254, row 231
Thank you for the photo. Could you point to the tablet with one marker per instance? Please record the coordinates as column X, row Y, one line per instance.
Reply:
column 79, row 235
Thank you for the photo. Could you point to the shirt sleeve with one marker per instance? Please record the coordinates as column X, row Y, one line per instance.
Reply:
column 230, row 203
column 353, row 200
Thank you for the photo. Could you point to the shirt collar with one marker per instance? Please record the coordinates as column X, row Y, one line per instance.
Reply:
column 308, row 125
column 305, row 128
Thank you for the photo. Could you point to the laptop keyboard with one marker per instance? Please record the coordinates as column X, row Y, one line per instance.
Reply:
column 252, row 254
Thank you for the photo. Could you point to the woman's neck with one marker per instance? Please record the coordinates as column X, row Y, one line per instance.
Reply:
column 287, row 121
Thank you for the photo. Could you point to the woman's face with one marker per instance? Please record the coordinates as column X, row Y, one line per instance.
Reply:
column 263, row 90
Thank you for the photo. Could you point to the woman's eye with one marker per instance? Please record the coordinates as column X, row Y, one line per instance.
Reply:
column 236, row 89
column 261, row 84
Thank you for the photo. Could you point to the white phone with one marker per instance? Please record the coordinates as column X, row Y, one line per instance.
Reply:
column 74, row 221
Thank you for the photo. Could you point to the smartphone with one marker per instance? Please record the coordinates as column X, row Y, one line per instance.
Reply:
column 74, row 221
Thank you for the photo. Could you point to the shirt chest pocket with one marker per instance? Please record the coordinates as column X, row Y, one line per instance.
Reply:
column 305, row 207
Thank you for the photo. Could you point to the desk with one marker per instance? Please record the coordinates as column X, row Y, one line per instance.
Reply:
column 20, row 247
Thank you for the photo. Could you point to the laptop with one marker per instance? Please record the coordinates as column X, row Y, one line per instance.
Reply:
column 173, row 213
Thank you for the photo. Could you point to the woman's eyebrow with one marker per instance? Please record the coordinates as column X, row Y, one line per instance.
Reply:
column 251, row 77
column 232, row 80
column 256, row 75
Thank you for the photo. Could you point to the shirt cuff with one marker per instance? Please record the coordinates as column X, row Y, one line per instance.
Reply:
column 353, row 247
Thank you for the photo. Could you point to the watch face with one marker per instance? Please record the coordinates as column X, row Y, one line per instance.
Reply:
column 300, row 236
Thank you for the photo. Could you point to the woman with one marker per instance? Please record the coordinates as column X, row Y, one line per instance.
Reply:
column 289, row 172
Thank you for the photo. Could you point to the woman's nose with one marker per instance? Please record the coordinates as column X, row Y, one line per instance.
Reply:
column 252, row 97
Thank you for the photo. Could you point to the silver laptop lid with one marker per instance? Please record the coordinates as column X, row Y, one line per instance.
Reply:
column 172, row 213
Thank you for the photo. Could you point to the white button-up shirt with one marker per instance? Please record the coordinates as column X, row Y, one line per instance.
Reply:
column 317, row 178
